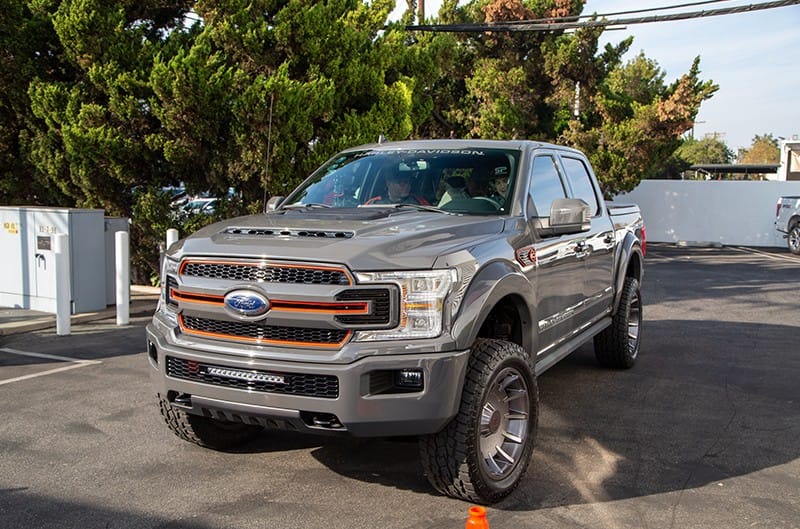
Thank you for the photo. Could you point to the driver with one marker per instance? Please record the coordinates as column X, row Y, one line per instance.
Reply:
column 398, row 191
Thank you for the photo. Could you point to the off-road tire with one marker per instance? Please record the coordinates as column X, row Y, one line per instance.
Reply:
column 453, row 458
column 617, row 346
column 793, row 239
column 205, row 431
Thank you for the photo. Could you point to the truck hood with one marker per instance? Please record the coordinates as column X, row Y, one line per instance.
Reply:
column 364, row 239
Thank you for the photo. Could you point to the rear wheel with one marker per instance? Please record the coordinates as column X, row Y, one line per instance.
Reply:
column 482, row 454
column 794, row 239
column 618, row 345
column 205, row 431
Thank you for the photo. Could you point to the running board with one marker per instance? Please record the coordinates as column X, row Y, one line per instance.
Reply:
column 571, row 345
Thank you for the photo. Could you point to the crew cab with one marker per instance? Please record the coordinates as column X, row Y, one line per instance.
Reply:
column 403, row 289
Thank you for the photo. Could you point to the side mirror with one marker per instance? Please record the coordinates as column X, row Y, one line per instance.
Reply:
column 567, row 215
column 274, row 202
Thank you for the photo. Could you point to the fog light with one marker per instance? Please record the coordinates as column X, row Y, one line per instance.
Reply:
column 409, row 378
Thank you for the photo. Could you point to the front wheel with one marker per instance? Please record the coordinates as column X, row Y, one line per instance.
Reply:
column 618, row 345
column 482, row 454
column 205, row 431
column 794, row 239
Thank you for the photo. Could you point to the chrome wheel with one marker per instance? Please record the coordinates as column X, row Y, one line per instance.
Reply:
column 482, row 454
column 618, row 345
column 504, row 423
column 634, row 321
column 794, row 240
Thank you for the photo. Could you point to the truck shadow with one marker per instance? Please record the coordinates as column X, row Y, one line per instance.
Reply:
column 696, row 410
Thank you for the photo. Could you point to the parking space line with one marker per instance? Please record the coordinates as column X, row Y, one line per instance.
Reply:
column 74, row 364
column 774, row 257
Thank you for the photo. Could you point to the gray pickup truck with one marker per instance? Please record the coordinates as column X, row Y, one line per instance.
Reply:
column 787, row 221
column 404, row 289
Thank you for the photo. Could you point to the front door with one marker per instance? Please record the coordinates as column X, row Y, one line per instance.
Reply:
column 558, row 272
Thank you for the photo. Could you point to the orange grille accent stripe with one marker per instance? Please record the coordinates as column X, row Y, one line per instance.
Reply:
column 319, row 307
column 340, row 307
column 208, row 299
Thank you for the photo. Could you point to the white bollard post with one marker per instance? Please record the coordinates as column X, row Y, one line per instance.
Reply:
column 172, row 237
column 63, row 287
column 123, row 273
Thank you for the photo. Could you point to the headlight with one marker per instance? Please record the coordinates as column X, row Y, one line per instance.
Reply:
column 422, row 299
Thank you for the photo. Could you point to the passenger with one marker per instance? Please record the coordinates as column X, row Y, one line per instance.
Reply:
column 498, row 185
column 398, row 187
column 478, row 185
column 455, row 188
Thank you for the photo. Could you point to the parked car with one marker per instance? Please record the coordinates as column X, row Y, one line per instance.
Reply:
column 787, row 221
column 204, row 206
column 358, row 307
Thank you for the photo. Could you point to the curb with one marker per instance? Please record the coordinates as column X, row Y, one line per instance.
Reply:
column 138, row 308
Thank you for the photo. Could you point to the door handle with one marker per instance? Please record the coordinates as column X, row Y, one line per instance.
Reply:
column 609, row 238
column 41, row 258
column 582, row 250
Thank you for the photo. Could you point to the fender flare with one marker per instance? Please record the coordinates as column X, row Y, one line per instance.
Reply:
column 493, row 282
column 629, row 254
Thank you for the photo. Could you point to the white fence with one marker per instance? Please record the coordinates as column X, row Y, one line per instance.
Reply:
column 727, row 212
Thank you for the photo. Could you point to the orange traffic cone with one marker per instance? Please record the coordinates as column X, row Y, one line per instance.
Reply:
column 477, row 518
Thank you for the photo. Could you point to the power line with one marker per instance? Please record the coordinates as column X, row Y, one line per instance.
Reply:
column 546, row 25
column 616, row 13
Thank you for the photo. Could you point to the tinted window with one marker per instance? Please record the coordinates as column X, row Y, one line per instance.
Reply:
column 581, row 182
column 468, row 180
column 546, row 184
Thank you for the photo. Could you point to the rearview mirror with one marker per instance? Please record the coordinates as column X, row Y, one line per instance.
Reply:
column 567, row 215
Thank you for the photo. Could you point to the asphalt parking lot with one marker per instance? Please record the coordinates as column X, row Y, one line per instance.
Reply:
column 703, row 433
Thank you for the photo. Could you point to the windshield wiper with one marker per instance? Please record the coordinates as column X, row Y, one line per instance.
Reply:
column 418, row 207
column 422, row 207
column 310, row 205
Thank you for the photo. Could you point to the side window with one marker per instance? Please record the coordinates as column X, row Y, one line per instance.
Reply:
column 581, row 182
column 546, row 185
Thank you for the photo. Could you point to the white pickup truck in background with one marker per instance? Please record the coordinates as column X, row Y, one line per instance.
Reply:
column 787, row 221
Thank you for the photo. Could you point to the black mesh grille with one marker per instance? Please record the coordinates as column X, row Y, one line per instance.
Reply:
column 266, row 273
column 381, row 306
column 323, row 386
column 238, row 329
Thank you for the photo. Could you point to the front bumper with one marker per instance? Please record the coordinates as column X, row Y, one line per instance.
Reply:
column 355, row 410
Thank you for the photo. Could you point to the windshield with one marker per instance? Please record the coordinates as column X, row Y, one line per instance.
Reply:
column 472, row 181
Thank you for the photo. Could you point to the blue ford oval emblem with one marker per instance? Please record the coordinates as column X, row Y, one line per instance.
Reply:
column 246, row 303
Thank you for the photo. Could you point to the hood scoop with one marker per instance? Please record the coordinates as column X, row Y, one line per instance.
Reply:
column 285, row 232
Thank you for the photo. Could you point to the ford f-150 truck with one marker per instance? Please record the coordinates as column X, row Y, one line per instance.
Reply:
column 787, row 221
column 404, row 289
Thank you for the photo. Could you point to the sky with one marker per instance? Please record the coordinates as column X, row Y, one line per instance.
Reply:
column 754, row 57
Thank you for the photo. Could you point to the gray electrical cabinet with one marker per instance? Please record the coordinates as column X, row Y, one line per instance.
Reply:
column 27, row 250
